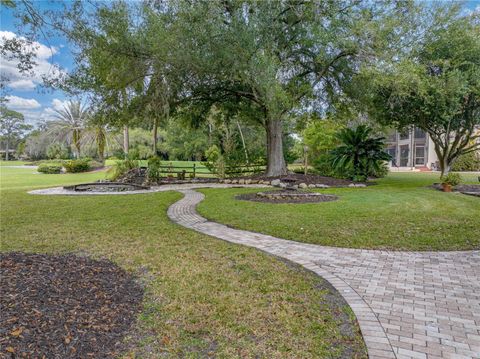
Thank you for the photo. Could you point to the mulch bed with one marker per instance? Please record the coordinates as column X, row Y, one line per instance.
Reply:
column 255, row 197
column 64, row 306
column 470, row 189
column 297, row 178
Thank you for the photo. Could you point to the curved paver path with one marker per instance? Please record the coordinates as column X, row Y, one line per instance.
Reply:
column 408, row 304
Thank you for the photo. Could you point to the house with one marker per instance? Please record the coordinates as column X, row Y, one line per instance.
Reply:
column 411, row 149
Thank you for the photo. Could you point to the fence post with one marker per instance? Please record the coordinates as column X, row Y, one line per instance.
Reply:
column 194, row 166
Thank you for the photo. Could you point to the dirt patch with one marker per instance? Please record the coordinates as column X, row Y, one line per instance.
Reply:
column 287, row 197
column 64, row 306
column 297, row 178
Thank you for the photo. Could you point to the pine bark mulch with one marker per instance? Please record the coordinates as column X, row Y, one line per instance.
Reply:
column 64, row 306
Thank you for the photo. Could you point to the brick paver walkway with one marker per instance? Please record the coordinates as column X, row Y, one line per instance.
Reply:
column 408, row 304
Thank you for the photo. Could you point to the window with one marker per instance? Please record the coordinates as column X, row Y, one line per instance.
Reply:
column 392, row 151
column 392, row 136
column 405, row 134
column 419, row 155
column 419, row 134
column 404, row 153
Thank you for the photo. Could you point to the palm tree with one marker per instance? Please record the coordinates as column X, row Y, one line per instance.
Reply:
column 360, row 154
column 72, row 121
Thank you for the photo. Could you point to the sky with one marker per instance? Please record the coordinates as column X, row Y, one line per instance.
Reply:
column 25, row 93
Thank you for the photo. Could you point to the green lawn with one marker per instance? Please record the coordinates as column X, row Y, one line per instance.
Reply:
column 204, row 297
column 401, row 212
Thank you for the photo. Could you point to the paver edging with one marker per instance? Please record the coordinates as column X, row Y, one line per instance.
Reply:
column 183, row 212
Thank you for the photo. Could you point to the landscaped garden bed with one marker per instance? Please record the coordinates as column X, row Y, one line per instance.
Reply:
column 287, row 196
column 65, row 306
column 470, row 189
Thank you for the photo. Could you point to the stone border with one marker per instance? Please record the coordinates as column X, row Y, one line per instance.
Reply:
column 60, row 191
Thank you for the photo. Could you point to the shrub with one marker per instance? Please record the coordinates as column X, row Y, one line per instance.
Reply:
column 122, row 167
column 215, row 161
column 154, row 169
column 453, row 179
column 467, row 162
column 75, row 166
column 360, row 153
column 49, row 168
column 57, row 151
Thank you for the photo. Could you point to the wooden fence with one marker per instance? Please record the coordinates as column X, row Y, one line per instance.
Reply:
column 196, row 170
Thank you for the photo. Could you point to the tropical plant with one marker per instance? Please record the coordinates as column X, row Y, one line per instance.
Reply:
column 360, row 154
column 452, row 179
column 70, row 123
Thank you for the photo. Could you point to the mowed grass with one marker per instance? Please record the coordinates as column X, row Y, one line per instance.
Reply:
column 204, row 297
column 399, row 213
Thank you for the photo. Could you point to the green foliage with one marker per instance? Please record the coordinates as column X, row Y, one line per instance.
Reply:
column 467, row 162
column 154, row 169
column 321, row 136
column 76, row 166
column 49, row 168
column 57, row 151
column 215, row 161
column 453, row 179
column 122, row 167
column 437, row 88
column 360, row 154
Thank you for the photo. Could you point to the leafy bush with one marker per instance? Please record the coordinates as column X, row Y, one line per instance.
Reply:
column 122, row 167
column 75, row 166
column 49, row 168
column 467, row 162
column 57, row 151
column 453, row 179
column 215, row 161
column 154, row 169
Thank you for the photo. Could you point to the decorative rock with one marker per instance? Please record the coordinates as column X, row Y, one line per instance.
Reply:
column 234, row 181
column 320, row 185
column 275, row 183
column 227, row 181
column 241, row 181
column 248, row 181
column 311, row 186
column 295, row 186
column 302, row 185
column 283, row 185
column 357, row 185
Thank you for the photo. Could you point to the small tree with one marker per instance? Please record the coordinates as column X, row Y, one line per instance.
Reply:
column 72, row 121
column 360, row 154
column 437, row 89
column 12, row 126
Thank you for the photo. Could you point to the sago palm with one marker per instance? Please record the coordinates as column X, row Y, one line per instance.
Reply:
column 360, row 153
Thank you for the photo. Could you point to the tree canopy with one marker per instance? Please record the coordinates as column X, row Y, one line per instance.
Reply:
column 436, row 88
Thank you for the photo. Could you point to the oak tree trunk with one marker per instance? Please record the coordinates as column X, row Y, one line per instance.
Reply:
column 276, row 165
